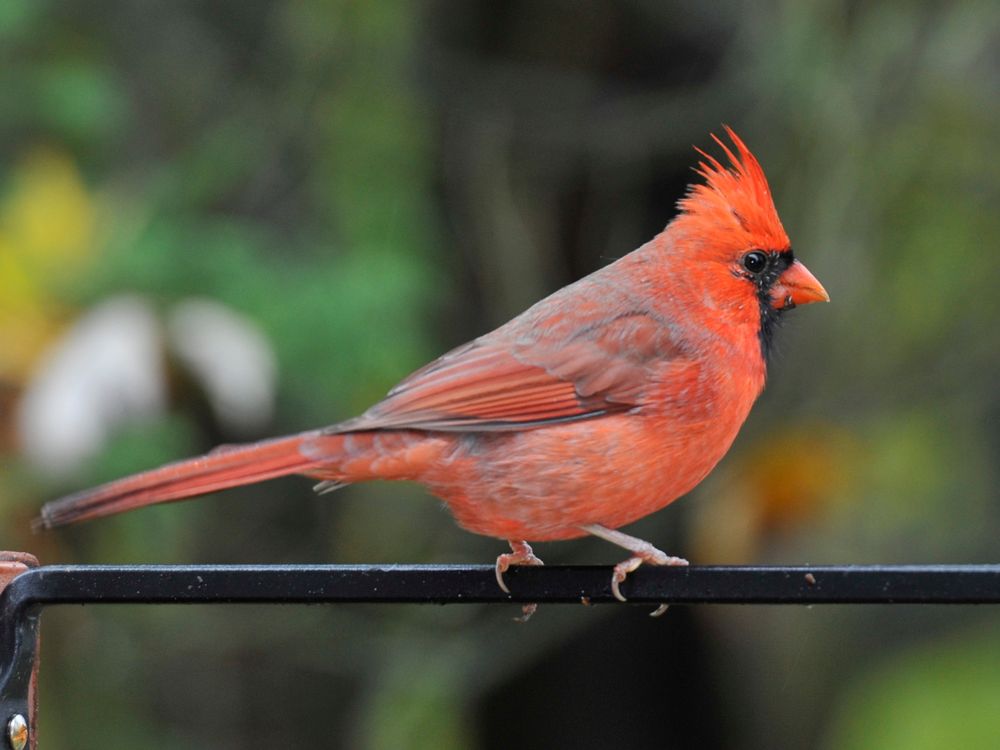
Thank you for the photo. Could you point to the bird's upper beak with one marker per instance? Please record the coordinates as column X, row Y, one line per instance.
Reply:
column 797, row 286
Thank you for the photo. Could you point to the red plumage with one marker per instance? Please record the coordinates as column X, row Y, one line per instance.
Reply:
column 595, row 407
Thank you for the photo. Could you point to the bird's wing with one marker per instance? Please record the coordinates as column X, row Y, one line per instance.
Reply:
column 518, row 379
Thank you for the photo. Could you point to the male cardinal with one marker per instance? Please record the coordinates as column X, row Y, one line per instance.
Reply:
column 600, row 404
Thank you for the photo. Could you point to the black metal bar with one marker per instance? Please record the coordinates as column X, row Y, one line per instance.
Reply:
column 449, row 584
column 22, row 600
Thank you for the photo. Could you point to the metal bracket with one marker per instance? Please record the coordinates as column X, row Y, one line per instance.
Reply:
column 19, row 644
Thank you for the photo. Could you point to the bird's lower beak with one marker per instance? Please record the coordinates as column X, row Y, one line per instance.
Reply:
column 797, row 286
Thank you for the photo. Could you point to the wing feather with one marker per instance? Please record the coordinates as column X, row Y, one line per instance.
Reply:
column 517, row 378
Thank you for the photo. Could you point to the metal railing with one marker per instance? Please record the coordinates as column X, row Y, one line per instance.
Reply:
column 30, row 589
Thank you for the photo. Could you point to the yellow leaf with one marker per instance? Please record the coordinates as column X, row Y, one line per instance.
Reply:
column 47, row 217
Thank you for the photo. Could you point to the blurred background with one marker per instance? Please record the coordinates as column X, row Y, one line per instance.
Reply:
column 222, row 221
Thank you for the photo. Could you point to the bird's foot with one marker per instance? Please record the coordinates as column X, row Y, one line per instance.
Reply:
column 652, row 557
column 520, row 554
column 642, row 552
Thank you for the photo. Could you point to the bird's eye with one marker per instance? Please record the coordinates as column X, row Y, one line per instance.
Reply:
column 754, row 261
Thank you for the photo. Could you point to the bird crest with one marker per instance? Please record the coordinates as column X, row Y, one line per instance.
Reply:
column 735, row 198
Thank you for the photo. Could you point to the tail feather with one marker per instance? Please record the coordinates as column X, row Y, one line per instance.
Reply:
column 225, row 467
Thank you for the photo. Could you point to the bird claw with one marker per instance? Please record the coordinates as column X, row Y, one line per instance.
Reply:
column 658, row 612
column 520, row 554
column 652, row 556
column 527, row 610
column 500, row 571
column 620, row 573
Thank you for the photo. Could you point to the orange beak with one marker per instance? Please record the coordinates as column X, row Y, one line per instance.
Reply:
column 797, row 286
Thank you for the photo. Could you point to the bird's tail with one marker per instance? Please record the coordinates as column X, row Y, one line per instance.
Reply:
column 227, row 466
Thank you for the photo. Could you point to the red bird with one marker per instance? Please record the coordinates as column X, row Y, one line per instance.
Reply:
column 598, row 405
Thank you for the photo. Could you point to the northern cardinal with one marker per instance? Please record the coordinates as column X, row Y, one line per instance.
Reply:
column 600, row 404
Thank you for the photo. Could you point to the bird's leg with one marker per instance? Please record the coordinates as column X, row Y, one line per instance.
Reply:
column 520, row 554
column 642, row 552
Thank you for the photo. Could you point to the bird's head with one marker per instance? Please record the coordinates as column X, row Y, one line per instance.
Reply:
column 730, row 226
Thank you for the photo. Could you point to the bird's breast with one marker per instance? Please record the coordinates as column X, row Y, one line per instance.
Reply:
column 543, row 484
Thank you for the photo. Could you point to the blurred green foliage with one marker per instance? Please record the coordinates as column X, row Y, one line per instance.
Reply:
column 372, row 183
column 941, row 694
